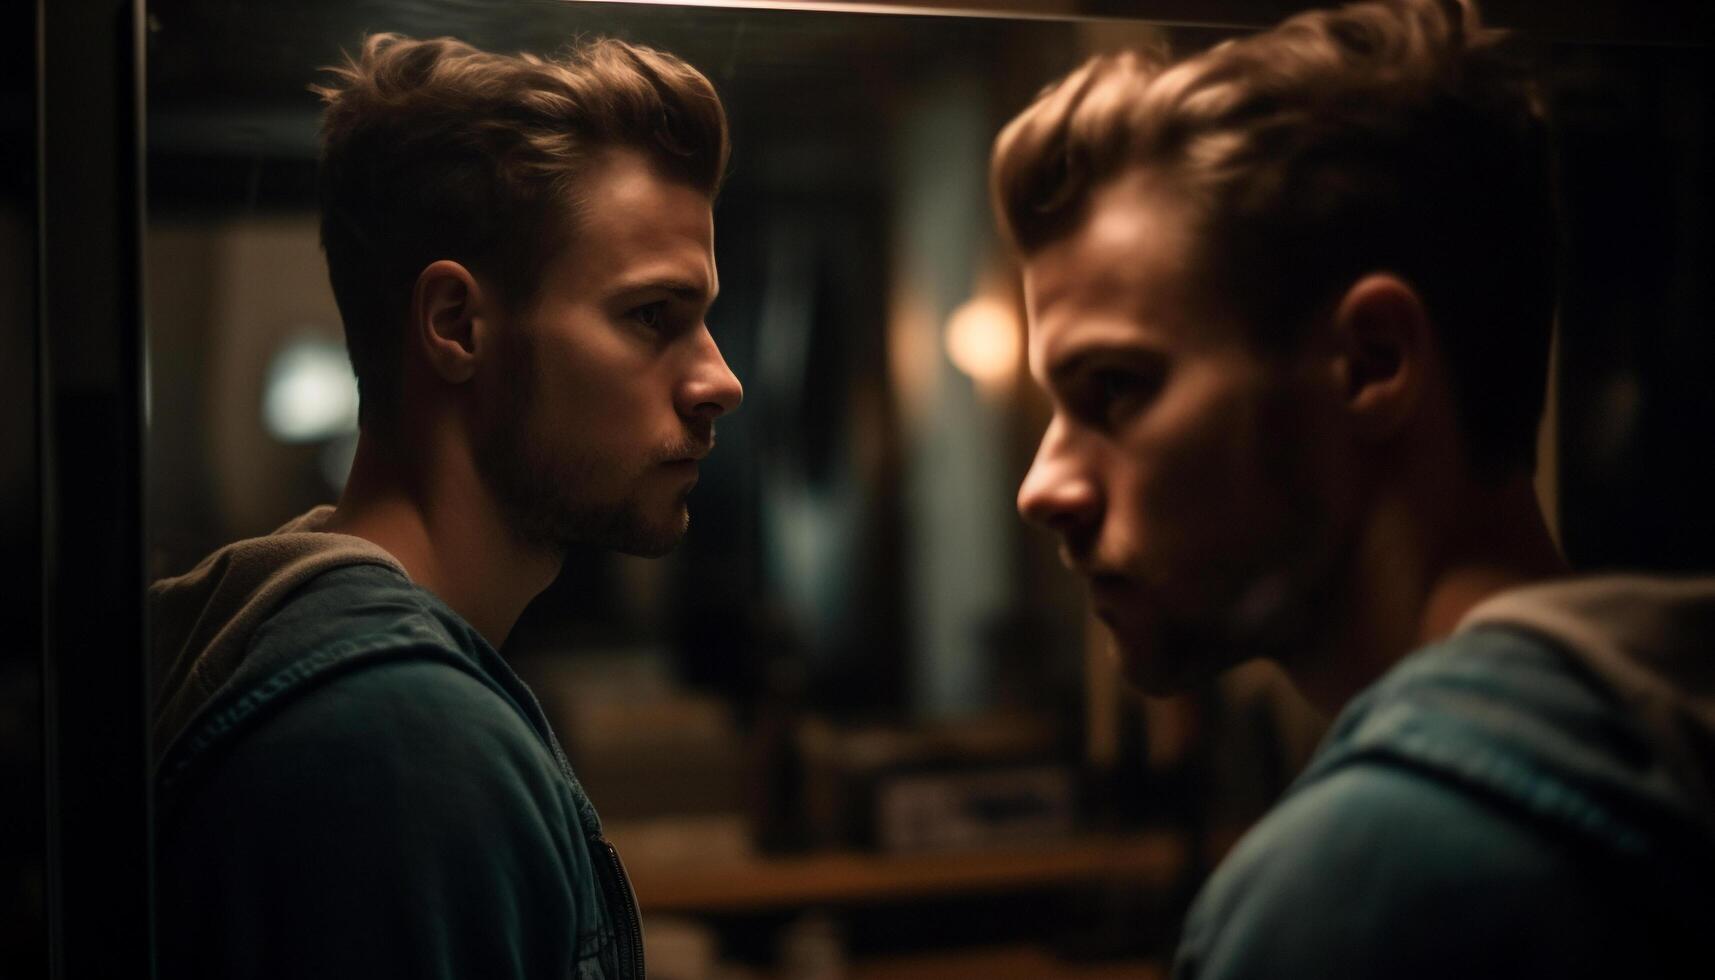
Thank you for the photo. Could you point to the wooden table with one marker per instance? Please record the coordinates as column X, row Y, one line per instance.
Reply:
column 736, row 884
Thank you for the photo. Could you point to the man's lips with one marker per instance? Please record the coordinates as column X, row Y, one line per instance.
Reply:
column 1082, row 562
column 1106, row 586
column 1110, row 594
column 695, row 448
column 1107, row 582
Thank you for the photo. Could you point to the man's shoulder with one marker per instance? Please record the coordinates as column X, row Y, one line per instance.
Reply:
column 341, row 625
column 404, row 818
column 1379, row 870
column 388, row 713
column 1485, row 809
column 403, row 722
column 357, row 660
column 1375, row 826
column 1514, row 720
column 360, row 606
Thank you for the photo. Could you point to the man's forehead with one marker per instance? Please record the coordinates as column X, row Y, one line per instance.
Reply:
column 1120, row 278
column 1136, row 233
column 636, row 226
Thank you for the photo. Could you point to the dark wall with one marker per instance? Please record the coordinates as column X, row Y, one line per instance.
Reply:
column 23, row 936
column 1609, row 21
column 1636, row 404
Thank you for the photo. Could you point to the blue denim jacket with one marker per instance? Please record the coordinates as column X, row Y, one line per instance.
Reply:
column 373, row 792
column 1490, row 808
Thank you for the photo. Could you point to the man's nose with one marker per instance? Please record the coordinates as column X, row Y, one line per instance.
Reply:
column 710, row 390
column 1058, row 492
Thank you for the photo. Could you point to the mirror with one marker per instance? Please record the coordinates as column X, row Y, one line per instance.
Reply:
column 857, row 626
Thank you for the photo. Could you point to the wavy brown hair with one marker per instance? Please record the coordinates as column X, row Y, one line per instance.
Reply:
column 433, row 149
column 1396, row 135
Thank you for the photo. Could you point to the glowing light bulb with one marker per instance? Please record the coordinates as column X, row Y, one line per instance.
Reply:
column 310, row 394
column 983, row 341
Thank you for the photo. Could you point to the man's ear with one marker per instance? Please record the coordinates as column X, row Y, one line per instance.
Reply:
column 450, row 322
column 1384, row 345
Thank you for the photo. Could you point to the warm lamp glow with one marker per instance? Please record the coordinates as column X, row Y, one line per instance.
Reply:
column 983, row 341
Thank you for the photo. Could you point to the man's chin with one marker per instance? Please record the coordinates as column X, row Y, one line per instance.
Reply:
column 1147, row 674
column 629, row 531
column 1162, row 665
column 647, row 547
column 652, row 538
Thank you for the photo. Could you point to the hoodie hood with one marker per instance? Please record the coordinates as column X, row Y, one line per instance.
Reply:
column 201, row 623
column 1649, row 642
column 1584, row 706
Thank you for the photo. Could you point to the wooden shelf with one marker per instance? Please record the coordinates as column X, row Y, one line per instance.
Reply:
column 1001, row 963
column 756, row 883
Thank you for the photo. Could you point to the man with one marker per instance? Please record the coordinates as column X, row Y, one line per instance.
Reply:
column 351, row 782
column 1291, row 302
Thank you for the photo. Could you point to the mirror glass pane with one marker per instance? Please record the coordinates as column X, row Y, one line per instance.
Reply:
column 857, row 614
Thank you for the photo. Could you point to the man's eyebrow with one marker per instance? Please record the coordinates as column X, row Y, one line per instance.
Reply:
column 688, row 290
column 1063, row 368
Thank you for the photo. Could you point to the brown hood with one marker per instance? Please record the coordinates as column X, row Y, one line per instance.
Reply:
column 200, row 623
column 1651, row 640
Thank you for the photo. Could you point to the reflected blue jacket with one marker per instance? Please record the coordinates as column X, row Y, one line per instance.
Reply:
column 1530, row 798
column 352, row 783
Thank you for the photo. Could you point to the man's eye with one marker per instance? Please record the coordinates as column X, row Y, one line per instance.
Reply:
column 1115, row 393
column 650, row 315
column 1116, row 384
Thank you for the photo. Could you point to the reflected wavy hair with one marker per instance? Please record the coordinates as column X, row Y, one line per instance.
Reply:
column 1397, row 135
column 433, row 149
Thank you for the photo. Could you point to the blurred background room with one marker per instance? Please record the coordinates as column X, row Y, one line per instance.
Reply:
column 860, row 724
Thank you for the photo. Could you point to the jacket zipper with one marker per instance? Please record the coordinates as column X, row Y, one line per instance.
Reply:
column 628, row 924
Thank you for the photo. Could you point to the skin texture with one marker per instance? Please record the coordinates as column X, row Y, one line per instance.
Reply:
column 1311, row 506
column 578, row 417
column 612, row 382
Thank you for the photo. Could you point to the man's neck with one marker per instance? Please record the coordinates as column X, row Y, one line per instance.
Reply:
column 1413, row 580
column 436, row 517
column 1504, row 544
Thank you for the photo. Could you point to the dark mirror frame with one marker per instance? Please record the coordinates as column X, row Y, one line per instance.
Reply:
column 91, row 416
column 23, row 824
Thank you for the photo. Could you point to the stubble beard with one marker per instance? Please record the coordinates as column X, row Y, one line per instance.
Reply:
column 1281, row 614
column 545, row 511
column 544, row 494
column 1276, row 600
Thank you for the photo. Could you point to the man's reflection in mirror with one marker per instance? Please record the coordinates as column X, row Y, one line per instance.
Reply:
column 351, row 782
column 1291, row 300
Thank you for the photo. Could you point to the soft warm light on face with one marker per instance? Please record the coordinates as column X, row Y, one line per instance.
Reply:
column 983, row 341
column 311, row 394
